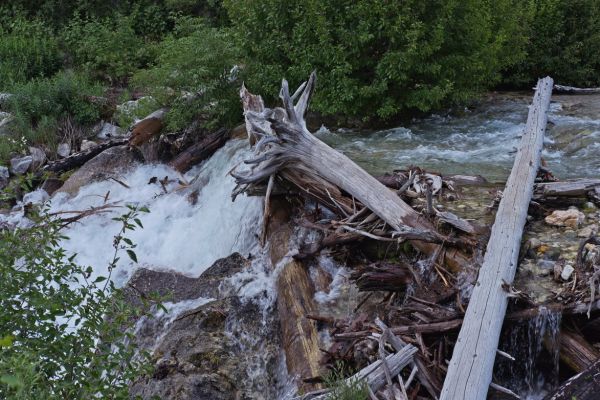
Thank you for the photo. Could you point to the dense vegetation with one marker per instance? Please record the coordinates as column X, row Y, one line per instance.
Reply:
column 69, row 63
column 377, row 60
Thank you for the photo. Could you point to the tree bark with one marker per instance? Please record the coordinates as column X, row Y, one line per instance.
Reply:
column 470, row 370
column 200, row 151
column 76, row 160
column 576, row 352
column 583, row 386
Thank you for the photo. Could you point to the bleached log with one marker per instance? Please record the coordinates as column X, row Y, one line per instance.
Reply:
column 576, row 90
column 470, row 370
column 285, row 147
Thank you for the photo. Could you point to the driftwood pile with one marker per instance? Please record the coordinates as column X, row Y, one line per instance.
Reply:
column 444, row 282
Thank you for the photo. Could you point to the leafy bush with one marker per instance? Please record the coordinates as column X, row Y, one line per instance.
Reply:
column 27, row 50
column 194, row 75
column 40, row 104
column 564, row 42
column 108, row 49
column 377, row 58
column 55, row 339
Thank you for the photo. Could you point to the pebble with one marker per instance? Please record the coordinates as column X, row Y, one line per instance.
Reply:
column 587, row 231
column 567, row 272
column 571, row 218
column 589, row 206
column 546, row 264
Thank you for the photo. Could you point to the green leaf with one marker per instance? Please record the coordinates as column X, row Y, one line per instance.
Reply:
column 7, row 341
column 138, row 222
column 132, row 255
column 11, row 381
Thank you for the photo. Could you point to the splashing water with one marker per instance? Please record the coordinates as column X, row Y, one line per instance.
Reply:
column 177, row 235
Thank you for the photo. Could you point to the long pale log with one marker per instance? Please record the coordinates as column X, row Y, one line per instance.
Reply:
column 576, row 90
column 76, row 160
column 470, row 370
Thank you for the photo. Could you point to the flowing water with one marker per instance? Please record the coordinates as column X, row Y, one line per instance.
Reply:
column 481, row 141
column 188, row 238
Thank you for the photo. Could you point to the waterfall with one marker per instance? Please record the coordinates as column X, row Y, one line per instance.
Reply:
column 535, row 346
column 177, row 234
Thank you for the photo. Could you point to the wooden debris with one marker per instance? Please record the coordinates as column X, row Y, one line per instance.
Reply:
column 575, row 90
column 200, row 151
column 583, row 386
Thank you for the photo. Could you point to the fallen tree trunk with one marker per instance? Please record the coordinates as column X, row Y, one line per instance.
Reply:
column 575, row 90
column 576, row 352
column 583, row 386
column 470, row 370
column 287, row 149
column 76, row 160
column 200, row 151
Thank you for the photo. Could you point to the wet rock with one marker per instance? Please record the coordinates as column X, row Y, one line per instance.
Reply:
column 63, row 150
column 546, row 264
column 580, row 141
column 589, row 206
column 38, row 157
column 113, row 161
column 51, row 185
column 36, row 197
column 108, row 131
column 218, row 350
column 87, row 145
column 567, row 271
column 571, row 218
column 175, row 287
column 20, row 165
column 4, row 177
column 587, row 231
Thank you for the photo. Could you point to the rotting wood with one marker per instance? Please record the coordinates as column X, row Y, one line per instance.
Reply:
column 470, row 369
column 200, row 151
column 583, row 386
column 286, row 147
column 576, row 352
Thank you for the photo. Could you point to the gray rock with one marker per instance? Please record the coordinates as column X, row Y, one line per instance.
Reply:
column 587, row 231
column 63, row 150
column 4, row 177
column 108, row 131
column 110, row 162
column 567, row 272
column 5, row 120
column 214, row 351
column 39, row 157
column 36, row 197
column 87, row 145
column 545, row 264
column 51, row 185
column 20, row 165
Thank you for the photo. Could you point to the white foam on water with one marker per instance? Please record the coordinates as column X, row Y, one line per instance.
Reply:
column 177, row 235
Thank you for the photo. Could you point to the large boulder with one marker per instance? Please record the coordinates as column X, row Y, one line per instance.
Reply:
column 113, row 161
column 20, row 165
column 212, row 344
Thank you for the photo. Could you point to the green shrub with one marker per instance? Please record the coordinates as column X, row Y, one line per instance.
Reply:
column 564, row 42
column 27, row 50
column 375, row 58
column 39, row 105
column 194, row 75
column 108, row 49
column 56, row 341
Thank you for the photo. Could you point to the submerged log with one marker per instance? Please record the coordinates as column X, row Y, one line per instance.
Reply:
column 200, row 151
column 583, row 386
column 470, row 370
